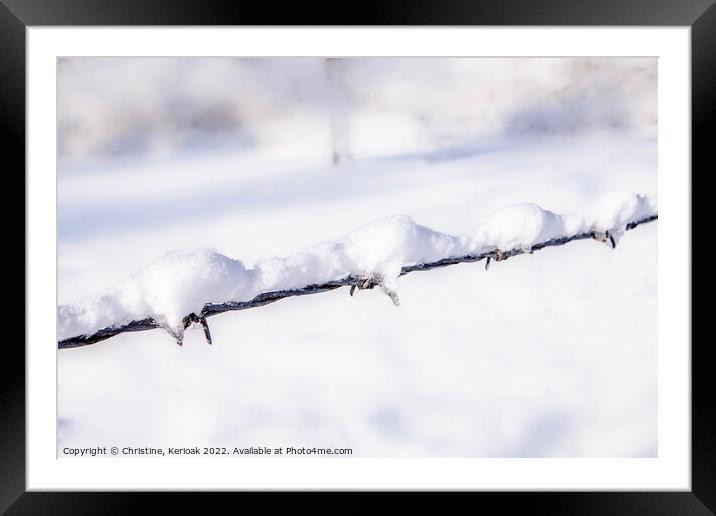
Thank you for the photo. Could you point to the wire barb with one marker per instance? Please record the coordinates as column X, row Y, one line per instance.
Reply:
column 391, row 294
column 371, row 281
column 177, row 335
column 205, row 326
column 606, row 237
column 187, row 321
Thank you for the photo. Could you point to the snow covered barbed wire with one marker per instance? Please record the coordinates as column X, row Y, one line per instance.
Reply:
column 185, row 287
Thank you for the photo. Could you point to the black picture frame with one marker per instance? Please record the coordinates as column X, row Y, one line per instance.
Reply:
column 700, row 15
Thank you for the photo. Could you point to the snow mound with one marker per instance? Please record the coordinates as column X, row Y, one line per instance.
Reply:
column 385, row 246
column 381, row 247
column 521, row 226
column 182, row 282
column 167, row 290
column 616, row 209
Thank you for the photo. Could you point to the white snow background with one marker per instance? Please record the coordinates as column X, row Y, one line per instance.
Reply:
column 550, row 354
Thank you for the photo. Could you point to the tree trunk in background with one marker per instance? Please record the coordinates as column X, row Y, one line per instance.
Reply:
column 338, row 107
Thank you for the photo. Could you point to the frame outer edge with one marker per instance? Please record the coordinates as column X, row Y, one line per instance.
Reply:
column 12, row 141
column 12, row 96
column 703, row 123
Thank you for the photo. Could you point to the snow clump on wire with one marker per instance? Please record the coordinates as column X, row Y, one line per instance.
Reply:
column 182, row 282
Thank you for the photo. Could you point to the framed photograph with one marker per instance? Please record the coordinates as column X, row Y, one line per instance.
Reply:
column 421, row 253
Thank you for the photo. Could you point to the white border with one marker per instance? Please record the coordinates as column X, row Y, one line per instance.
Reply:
column 671, row 470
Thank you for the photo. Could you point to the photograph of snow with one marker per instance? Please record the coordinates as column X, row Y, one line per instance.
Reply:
column 357, row 257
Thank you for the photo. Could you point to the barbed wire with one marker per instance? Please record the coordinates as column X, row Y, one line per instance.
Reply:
column 361, row 282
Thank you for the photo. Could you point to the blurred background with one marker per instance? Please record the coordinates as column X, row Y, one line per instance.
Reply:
column 118, row 106
column 548, row 355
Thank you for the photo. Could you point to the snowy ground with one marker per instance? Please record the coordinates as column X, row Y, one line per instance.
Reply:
column 551, row 354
